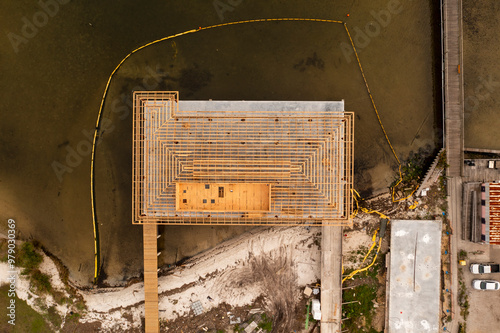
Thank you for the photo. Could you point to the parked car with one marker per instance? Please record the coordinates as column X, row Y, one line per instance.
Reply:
column 484, row 268
column 485, row 284
column 316, row 309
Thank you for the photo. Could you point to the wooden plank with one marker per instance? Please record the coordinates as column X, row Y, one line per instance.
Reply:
column 150, row 279
column 223, row 197
column 453, row 87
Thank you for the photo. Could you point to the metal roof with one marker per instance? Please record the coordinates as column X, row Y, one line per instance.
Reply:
column 491, row 212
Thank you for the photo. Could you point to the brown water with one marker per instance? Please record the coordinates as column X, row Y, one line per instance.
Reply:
column 51, row 90
column 481, row 74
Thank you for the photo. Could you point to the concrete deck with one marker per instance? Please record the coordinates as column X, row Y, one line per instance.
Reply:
column 415, row 271
column 331, row 279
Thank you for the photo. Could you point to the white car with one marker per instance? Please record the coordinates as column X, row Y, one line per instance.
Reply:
column 484, row 268
column 316, row 309
column 485, row 285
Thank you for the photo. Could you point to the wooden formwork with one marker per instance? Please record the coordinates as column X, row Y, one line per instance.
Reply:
column 306, row 159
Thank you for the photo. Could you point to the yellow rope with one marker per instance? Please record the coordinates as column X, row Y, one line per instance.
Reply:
column 98, row 121
column 379, row 120
column 96, row 132
column 370, row 94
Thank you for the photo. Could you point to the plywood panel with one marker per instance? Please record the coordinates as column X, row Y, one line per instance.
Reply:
column 223, row 197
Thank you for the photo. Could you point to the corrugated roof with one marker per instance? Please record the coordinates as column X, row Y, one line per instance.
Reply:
column 494, row 213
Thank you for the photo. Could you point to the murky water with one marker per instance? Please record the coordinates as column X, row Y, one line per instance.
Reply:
column 51, row 90
column 481, row 74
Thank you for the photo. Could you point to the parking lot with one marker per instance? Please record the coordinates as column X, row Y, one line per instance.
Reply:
column 484, row 313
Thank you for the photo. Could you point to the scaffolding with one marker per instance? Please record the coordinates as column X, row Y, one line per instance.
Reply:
column 234, row 167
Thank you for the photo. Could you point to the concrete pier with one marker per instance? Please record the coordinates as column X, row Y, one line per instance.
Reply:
column 331, row 279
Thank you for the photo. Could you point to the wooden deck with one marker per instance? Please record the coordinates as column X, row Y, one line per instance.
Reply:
column 151, row 278
column 454, row 134
column 453, row 85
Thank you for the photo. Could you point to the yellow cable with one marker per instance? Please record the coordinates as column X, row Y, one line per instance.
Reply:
column 367, row 267
column 207, row 28
column 374, row 238
column 378, row 117
column 399, row 181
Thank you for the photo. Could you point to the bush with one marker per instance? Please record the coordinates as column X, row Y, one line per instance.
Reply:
column 41, row 281
column 28, row 258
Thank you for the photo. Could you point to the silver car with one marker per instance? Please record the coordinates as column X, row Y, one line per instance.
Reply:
column 485, row 284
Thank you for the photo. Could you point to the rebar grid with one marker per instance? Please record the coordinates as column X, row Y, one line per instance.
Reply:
column 305, row 157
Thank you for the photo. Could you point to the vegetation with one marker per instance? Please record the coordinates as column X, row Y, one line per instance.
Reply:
column 463, row 298
column 53, row 317
column 462, row 255
column 266, row 324
column 442, row 162
column 412, row 171
column 28, row 258
column 41, row 281
column 359, row 310
column 27, row 319
column 362, row 296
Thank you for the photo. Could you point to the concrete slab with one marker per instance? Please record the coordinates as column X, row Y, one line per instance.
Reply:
column 331, row 279
column 414, row 276
column 279, row 106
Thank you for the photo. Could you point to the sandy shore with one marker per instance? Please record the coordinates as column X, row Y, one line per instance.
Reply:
column 215, row 273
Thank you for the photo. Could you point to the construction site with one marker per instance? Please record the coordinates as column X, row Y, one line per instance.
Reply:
column 242, row 190
column 257, row 163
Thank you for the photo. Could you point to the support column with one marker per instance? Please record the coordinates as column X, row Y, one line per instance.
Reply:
column 151, row 279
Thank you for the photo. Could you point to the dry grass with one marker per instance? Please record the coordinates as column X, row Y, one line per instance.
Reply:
column 278, row 282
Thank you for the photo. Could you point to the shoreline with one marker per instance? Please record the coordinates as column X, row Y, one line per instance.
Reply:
column 213, row 273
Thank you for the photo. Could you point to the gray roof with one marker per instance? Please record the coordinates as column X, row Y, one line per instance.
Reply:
column 414, row 280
